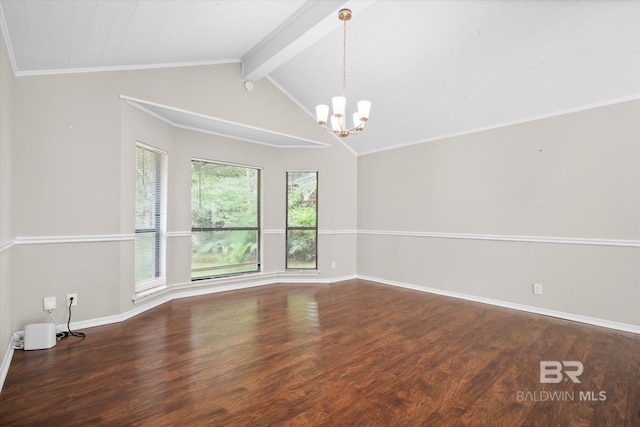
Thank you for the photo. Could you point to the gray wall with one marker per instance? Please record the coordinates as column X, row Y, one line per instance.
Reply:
column 73, row 173
column 553, row 201
column 6, row 236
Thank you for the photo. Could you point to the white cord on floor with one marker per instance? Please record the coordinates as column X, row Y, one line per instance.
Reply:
column 17, row 342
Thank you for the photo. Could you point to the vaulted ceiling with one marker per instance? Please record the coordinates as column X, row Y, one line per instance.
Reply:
column 430, row 68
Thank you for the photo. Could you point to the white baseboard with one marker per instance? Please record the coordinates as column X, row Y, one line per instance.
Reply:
column 83, row 324
column 6, row 361
column 175, row 293
column 506, row 304
column 195, row 290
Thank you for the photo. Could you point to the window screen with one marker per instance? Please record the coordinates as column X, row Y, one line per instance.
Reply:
column 302, row 220
column 225, row 207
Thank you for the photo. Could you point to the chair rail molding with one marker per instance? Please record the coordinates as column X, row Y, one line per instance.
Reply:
column 507, row 238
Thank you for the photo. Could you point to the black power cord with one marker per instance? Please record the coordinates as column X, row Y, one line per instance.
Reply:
column 69, row 332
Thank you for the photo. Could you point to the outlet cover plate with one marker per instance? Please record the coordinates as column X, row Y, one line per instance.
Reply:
column 49, row 303
column 537, row 288
column 75, row 299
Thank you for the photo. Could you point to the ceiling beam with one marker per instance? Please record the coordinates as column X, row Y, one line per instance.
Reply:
column 310, row 24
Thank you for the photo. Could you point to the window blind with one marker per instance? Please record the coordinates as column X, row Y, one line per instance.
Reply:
column 148, row 217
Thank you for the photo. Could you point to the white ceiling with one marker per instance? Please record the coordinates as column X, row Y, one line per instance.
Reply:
column 431, row 68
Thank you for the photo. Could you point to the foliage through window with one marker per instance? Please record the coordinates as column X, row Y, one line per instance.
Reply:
column 225, row 209
column 302, row 220
column 150, row 219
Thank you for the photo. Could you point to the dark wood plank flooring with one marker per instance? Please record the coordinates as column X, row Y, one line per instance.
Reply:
column 355, row 353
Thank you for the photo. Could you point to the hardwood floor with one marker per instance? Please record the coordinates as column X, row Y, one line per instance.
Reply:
column 350, row 354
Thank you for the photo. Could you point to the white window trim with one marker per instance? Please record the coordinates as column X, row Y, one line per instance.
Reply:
column 161, row 280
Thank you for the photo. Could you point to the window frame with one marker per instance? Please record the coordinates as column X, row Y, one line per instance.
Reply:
column 257, row 229
column 288, row 228
column 160, row 278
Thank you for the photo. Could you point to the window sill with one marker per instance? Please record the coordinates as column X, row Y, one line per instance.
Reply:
column 254, row 279
column 301, row 271
column 151, row 287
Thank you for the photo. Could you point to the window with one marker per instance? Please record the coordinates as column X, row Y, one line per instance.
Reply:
column 150, row 217
column 302, row 220
column 225, row 218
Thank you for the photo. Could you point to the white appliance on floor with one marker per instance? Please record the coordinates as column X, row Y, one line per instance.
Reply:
column 39, row 336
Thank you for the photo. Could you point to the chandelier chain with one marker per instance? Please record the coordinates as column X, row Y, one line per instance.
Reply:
column 344, row 59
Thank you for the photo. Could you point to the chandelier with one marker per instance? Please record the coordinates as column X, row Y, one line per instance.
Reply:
column 338, row 118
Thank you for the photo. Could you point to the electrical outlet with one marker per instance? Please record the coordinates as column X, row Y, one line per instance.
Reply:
column 75, row 299
column 49, row 303
column 537, row 288
column 333, row 264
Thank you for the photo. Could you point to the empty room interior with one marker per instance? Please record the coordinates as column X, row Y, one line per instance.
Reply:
column 194, row 231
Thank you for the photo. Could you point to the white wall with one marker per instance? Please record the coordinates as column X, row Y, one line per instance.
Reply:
column 505, row 198
column 74, row 170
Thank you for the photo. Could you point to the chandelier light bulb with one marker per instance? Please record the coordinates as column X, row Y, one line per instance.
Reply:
column 322, row 113
column 339, row 105
column 335, row 123
column 364, row 107
column 358, row 123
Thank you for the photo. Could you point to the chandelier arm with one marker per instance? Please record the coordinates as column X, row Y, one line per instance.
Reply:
column 351, row 131
column 326, row 128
